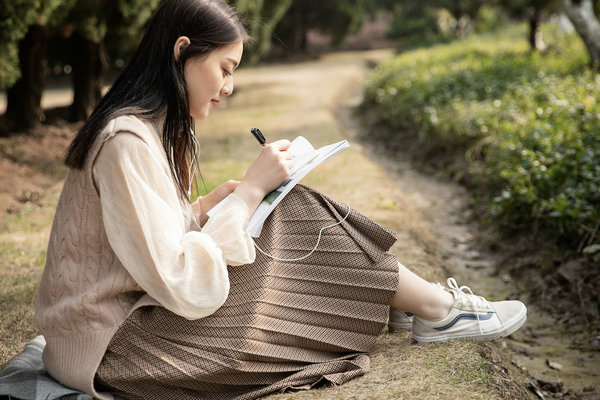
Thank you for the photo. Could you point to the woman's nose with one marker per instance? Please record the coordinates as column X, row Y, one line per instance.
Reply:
column 227, row 89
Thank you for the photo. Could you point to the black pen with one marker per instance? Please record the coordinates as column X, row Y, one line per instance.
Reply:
column 259, row 136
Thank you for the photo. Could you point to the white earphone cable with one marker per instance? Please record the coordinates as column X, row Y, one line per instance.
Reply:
column 192, row 170
column 191, row 174
column 314, row 248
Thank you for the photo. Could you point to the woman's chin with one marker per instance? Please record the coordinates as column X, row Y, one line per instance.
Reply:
column 200, row 116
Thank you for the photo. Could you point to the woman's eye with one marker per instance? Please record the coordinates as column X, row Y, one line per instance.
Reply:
column 227, row 73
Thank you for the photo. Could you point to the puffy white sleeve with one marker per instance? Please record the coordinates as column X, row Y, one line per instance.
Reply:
column 185, row 271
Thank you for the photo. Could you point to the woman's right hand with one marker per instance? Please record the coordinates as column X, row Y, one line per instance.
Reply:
column 270, row 169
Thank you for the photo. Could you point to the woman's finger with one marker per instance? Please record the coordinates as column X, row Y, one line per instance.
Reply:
column 281, row 145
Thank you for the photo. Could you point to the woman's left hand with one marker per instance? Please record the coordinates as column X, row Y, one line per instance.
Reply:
column 205, row 203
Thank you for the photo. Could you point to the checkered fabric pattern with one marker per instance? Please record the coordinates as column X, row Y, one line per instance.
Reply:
column 284, row 326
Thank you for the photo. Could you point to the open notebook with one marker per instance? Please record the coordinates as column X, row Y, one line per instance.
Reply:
column 306, row 158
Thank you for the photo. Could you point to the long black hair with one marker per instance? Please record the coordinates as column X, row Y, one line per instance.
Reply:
column 153, row 84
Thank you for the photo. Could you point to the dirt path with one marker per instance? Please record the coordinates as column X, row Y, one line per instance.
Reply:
column 312, row 99
column 552, row 357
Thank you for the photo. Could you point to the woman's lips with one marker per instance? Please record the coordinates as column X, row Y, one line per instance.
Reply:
column 214, row 102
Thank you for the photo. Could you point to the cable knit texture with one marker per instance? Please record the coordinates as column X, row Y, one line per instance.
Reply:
column 120, row 240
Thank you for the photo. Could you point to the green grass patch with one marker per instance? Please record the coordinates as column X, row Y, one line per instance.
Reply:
column 525, row 122
column 20, row 273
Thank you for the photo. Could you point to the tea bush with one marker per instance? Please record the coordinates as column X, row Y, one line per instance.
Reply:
column 529, row 123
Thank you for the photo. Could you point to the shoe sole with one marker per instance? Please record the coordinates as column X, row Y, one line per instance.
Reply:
column 505, row 330
column 397, row 327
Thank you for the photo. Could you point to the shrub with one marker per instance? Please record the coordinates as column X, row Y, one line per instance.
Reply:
column 529, row 123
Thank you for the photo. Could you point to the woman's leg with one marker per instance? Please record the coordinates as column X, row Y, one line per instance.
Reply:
column 420, row 297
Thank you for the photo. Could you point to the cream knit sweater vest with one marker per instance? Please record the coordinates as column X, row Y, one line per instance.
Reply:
column 85, row 292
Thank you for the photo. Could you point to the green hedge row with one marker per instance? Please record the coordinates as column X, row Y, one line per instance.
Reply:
column 528, row 123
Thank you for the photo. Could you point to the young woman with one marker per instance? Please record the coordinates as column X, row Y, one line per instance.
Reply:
column 143, row 295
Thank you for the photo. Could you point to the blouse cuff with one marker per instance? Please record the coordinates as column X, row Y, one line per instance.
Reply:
column 227, row 227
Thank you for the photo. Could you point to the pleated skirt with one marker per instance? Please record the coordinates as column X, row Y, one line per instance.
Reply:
column 286, row 325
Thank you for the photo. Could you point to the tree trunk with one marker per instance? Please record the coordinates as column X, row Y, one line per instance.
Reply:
column 23, row 108
column 581, row 14
column 535, row 36
column 89, row 67
column 298, row 41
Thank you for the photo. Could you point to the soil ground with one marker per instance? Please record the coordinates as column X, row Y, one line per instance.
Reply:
column 431, row 218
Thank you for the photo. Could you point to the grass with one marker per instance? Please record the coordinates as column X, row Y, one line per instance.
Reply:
column 285, row 101
column 20, row 274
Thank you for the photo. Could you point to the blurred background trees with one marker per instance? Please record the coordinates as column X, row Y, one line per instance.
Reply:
column 262, row 17
column 93, row 32
column 582, row 15
column 336, row 18
column 25, row 27
column 75, row 36
column 87, row 38
column 534, row 11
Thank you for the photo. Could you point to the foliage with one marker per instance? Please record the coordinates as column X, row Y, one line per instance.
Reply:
column 337, row 18
column 91, row 18
column 438, row 21
column 261, row 18
column 128, row 21
column 15, row 18
column 528, row 123
column 413, row 19
column 438, row 17
column 119, row 22
column 490, row 18
column 520, row 7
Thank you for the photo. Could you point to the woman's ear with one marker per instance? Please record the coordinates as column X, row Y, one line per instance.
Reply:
column 180, row 44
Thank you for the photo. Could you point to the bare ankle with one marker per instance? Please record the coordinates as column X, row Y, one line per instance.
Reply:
column 440, row 309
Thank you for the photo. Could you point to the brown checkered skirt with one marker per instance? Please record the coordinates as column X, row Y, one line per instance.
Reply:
column 285, row 325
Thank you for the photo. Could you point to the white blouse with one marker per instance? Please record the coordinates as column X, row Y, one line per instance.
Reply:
column 145, row 223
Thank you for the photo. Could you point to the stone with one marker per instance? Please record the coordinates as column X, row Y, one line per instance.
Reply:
column 551, row 385
column 554, row 365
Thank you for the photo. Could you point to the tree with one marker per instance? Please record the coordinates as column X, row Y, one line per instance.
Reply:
column 463, row 11
column 534, row 11
column 24, row 32
column 96, row 23
column 337, row 18
column 581, row 14
column 413, row 20
column 435, row 19
column 262, row 16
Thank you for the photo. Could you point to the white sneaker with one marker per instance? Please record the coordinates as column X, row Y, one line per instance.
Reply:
column 399, row 320
column 471, row 318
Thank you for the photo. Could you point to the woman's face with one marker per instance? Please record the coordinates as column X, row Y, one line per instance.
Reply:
column 210, row 77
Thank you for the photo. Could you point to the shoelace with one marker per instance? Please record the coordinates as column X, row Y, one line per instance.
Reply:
column 475, row 300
